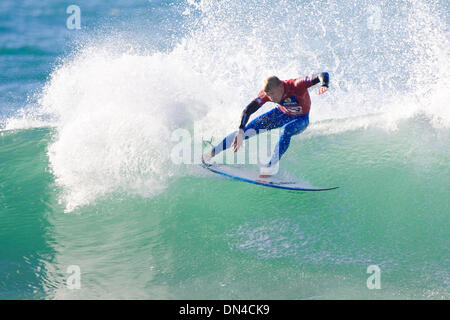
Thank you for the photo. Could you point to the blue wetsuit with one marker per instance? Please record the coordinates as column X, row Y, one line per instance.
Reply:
column 275, row 118
column 291, row 114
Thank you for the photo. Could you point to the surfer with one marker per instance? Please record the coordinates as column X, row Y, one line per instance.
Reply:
column 291, row 115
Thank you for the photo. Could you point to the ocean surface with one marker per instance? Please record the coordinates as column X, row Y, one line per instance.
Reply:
column 94, row 205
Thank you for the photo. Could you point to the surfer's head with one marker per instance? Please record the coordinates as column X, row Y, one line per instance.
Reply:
column 274, row 88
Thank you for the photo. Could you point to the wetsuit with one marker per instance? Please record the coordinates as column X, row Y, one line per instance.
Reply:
column 291, row 114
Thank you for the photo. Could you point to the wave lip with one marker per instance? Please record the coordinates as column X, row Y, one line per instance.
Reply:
column 113, row 116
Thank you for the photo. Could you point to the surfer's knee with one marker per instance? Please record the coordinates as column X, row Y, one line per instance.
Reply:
column 297, row 128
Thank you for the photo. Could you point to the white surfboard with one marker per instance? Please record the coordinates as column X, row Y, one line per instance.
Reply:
column 245, row 175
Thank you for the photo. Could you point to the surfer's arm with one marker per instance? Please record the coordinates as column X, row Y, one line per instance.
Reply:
column 323, row 78
column 248, row 111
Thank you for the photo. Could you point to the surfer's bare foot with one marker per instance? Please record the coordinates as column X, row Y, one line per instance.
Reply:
column 266, row 172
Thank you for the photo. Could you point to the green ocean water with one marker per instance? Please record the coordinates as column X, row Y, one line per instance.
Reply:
column 210, row 237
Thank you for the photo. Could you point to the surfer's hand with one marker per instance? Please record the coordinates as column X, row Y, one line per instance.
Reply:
column 322, row 89
column 237, row 142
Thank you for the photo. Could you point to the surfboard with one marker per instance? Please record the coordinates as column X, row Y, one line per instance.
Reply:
column 245, row 175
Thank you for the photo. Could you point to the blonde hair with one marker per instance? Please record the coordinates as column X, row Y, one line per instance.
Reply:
column 271, row 83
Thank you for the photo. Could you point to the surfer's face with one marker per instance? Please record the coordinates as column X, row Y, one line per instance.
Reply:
column 276, row 93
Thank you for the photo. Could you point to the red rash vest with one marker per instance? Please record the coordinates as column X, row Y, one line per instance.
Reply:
column 296, row 100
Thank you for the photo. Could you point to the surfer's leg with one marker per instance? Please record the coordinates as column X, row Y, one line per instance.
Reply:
column 288, row 130
column 266, row 121
column 272, row 119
